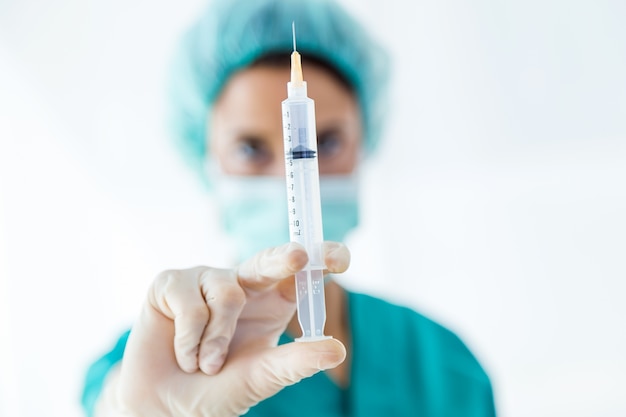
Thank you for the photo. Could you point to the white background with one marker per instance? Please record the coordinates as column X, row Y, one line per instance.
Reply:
column 497, row 205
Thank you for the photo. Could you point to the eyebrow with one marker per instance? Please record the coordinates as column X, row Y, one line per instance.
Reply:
column 240, row 133
column 333, row 125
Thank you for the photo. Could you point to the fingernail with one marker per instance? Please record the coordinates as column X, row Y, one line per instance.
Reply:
column 329, row 360
column 212, row 363
column 332, row 246
column 291, row 246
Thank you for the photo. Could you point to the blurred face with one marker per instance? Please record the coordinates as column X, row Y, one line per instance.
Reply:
column 246, row 134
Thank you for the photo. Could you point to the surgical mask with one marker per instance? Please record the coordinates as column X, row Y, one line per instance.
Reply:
column 253, row 209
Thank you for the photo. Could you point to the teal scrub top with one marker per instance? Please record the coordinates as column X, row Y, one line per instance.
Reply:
column 403, row 364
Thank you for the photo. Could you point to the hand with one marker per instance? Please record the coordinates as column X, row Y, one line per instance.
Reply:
column 205, row 342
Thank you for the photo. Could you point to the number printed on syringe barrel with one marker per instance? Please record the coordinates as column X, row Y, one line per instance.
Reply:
column 304, row 205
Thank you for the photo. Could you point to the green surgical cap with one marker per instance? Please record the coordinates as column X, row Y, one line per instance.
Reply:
column 232, row 34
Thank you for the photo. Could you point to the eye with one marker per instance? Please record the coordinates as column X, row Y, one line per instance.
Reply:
column 329, row 143
column 253, row 150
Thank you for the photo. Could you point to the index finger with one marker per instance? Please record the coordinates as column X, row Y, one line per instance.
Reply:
column 273, row 265
column 270, row 266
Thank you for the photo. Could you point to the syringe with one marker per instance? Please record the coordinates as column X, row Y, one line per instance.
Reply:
column 303, row 197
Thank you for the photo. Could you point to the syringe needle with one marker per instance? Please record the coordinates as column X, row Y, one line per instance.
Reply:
column 293, row 33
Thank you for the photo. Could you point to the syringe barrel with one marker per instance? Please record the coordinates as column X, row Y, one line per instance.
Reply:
column 302, row 173
column 305, row 210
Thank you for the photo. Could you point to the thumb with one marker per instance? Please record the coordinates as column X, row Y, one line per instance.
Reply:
column 287, row 364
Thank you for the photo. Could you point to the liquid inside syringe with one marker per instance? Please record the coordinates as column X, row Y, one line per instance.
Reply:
column 304, row 205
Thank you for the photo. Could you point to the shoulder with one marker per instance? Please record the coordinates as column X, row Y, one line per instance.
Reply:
column 398, row 318
column 425, row 347
column 394, row 318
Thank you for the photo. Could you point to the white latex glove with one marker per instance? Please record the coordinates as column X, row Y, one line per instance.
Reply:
column 206, row 340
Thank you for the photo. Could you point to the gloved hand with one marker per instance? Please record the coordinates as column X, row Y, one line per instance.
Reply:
column 205, row 342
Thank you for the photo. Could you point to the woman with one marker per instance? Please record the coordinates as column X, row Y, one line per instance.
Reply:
column 205, row 343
